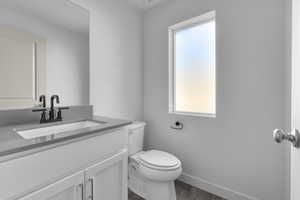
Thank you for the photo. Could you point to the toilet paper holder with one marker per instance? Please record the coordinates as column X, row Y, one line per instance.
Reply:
column 177, row 125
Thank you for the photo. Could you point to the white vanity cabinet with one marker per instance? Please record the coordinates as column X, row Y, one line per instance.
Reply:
column 106, row 180
column 69, row 188
column 94, row 168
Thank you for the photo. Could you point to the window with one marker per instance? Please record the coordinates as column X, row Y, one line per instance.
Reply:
column 192, row 66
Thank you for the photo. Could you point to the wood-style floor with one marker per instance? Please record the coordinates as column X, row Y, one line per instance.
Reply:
column 184, row 192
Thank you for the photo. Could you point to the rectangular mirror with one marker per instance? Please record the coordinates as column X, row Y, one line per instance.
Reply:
column 44, row 50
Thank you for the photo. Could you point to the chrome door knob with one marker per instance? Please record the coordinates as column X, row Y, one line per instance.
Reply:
column 278, row 135
column 294, row 137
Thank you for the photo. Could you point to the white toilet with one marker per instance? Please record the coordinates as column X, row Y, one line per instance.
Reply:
column 151, row 173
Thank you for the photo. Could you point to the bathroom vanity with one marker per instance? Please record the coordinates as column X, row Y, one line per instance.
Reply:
column 89, row 162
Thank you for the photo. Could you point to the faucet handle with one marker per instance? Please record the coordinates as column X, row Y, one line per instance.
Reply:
column 43, row 115
column 42, row 100
column 59, row 115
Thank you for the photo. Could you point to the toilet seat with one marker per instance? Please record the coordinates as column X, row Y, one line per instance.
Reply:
column 159, row 160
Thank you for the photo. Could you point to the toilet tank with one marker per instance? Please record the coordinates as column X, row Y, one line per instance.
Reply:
column 136, row 137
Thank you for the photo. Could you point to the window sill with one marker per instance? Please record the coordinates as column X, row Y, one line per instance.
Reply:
column 207, row 115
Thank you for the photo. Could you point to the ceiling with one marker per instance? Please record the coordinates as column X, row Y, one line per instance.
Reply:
column 59, row 12
column 146, row 4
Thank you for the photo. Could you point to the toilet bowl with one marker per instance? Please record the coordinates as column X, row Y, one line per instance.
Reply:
column 151, row 173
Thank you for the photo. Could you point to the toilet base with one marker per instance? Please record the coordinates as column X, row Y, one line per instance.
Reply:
column 147, row 189
column 160, row 190
column 153, row 190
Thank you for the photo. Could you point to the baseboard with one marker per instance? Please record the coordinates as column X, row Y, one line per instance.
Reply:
column 214, row 189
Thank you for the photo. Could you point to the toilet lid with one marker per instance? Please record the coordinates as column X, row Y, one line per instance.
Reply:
column 159, row 159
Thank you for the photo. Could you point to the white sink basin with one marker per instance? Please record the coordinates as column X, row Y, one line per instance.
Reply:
column 52, row 130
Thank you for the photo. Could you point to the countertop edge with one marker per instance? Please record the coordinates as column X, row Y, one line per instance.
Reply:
column 25, row 150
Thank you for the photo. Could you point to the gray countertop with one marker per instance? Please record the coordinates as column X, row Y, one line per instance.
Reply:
column 11, row 143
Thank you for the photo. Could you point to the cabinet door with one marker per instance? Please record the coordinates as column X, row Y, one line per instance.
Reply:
column 107, row 180
column 70, row 188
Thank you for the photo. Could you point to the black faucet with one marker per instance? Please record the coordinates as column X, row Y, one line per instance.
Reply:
column 52, row 111
column 43, row 100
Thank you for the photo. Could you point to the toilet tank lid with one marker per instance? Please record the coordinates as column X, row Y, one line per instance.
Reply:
column 136, row 125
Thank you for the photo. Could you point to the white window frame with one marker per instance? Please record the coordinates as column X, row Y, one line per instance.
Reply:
column 202, row 19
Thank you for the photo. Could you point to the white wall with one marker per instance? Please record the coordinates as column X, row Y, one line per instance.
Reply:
column 67, row 56
column 116, row 71
column 232, row 155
